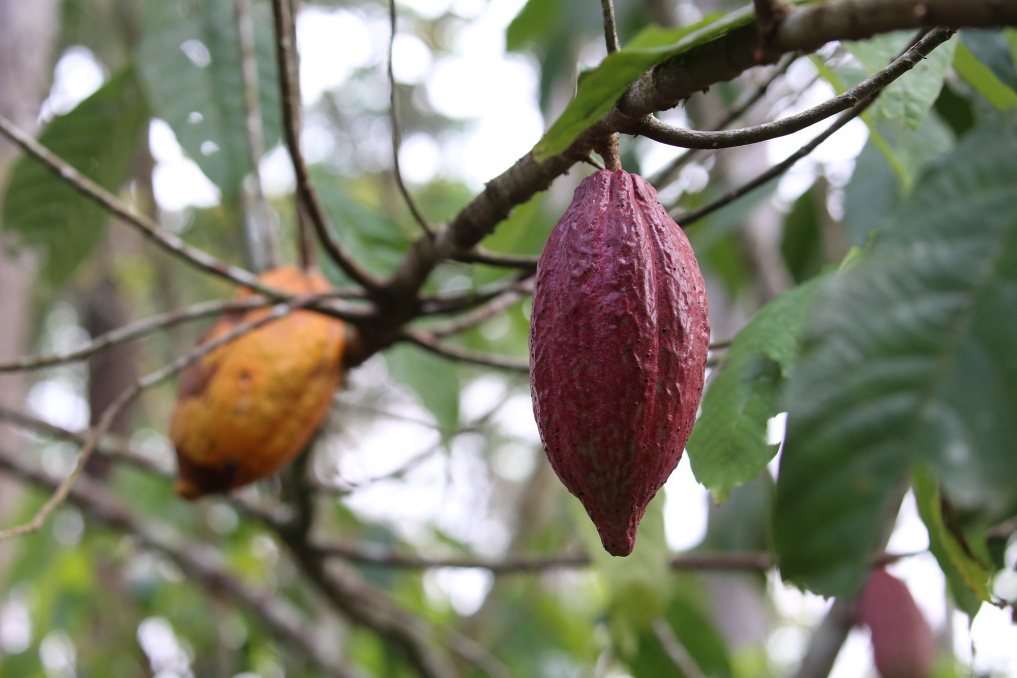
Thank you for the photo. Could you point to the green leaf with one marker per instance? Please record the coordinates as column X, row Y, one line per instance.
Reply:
column 803, row 245
column 435, row 380
column 372, row 240
column 728, row 443
column 599, row 89
column 535, row 20
column 189, row 60
column 967, row 576
column 985, row 82
column 99, row 138
column 908, row 359
column 687, row 623
column 909, row 98
column 872, row 192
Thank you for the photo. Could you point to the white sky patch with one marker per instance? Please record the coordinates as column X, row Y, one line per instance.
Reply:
column 331, row 45
column 177, row 180
column 685, row 508
column 411, row 59
column 77, row 75
column 419, row 158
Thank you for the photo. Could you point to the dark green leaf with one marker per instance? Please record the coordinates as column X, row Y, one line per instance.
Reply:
column 728, row 443
column 99, row 138
column 190, row 65
column 803, row 243
column 872, row 192
column 908, row 359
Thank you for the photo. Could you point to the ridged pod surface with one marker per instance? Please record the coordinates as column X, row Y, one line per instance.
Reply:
column 618, row 341
column 247, row 408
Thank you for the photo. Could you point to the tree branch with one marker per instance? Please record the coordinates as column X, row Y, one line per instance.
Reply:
column 657, row 130
column 288, row 79
column 912, row 56
column 610, row 28
column 397, row 137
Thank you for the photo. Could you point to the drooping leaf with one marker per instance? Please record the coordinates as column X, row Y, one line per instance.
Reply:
column 908, row 359
column 985, row 82
column 190, row 64
column 99, row 138
column 535, row 20
column 967, row 576
column 728, row 444
column 909, row 98
column 600, row 88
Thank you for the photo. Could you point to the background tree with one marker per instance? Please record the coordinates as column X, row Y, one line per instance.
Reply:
column 871, row 298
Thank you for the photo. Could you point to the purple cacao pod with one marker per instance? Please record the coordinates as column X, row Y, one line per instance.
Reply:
column 618, row 341
column 903, row 645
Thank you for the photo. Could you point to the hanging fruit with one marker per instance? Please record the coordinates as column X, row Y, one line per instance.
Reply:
column 618, row 341
column 248, row 408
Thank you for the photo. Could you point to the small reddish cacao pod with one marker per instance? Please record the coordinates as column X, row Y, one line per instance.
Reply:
column 247, row 408
column 618, row 341
column 903, row 645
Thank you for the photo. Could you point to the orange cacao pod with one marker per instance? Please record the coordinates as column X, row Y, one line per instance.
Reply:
column 618, row 341
column 248, row 407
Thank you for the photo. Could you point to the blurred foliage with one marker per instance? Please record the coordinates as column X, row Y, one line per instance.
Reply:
column 888, row 340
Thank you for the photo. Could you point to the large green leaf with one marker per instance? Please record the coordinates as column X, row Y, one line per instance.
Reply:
column 728, row 444
column 908, row 359
column 599, row 89
column 909, row 98
column 99, row 138
column 189, row 59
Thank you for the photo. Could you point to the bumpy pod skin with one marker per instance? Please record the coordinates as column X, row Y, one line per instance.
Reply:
column 618, row 342
column 248, row 408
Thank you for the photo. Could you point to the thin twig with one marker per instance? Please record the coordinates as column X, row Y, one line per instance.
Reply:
column 135, row 331
column 96, row 433
column 117, row 450
column 526, row 262
column 261, row 243
column 610, row 29
column 288, row 84
column 476, row 316
column 659, row 131
column 397, row 136
column 731, row 115
column 200, row 563
column 149, row 228
column 910, row 57
column 461, row 300
column 428, row 342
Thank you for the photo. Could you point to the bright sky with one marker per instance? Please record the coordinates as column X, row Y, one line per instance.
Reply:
column 496, row 94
